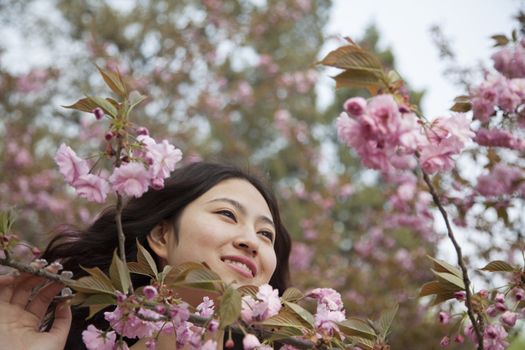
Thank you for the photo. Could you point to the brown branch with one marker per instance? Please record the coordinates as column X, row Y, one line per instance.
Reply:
column 36, row 271
column 457, row 247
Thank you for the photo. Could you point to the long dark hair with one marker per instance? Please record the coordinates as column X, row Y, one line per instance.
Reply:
column 95, row 245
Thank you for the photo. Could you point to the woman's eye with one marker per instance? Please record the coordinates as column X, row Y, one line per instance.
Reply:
column 267, row 234
column 228, row 214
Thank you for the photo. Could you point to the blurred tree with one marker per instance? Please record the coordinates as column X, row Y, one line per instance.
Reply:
column 228, row 80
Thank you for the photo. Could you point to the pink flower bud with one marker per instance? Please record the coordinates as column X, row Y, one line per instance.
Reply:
column 509, row 318
column 98, row 112
column 36, row 251
column 519, row 294
column 250, row 342
column 500, row 298
column 38, row 263
column 459, row 339
column 460, row 295
column 213, row 326
column 483, row 293
column 142, row 131
column 109, row 135
column 355, row 106
column 501, row 307
column 229, row 344
column 150, row 292
column 444, row 317
column 445, row 341
column 492, row 311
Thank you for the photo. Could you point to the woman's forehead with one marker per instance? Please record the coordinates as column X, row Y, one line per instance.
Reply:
column 237, row 192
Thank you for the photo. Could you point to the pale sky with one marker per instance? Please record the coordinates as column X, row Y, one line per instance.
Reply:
column 404, row 26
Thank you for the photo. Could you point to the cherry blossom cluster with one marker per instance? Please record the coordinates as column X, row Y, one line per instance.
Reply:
column 387, row 135
column 502, row 312
column 131, row 319
column 146, row 164
column 330, row 310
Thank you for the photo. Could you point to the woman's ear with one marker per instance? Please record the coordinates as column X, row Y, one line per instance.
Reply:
column 158, row 240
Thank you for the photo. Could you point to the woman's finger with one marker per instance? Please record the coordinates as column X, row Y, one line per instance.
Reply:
column 24, row 288
column 7, row 284
column 41, row 300
column 62, row 322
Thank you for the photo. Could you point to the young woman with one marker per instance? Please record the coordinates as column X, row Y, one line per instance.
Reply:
column 207, row 212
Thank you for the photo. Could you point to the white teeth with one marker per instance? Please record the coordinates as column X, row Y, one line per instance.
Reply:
column 239, row 264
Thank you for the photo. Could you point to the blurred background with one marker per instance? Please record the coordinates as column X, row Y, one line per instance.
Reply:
column 237, row 80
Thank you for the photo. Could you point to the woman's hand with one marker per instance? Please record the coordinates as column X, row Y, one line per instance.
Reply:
column 22, row 311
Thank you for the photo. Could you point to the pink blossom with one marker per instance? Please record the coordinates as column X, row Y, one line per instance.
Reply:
column 98, row 112
column 355, row 106
column 444, row 317
column 92, row 187
column 437, row 157
column 131, row 179
column 501, row 180
column 457, row 125
column 150, row 292
column 499, row 138
column 494, row 338
column 95, row 339
column 384, row 113
column 519, row 293
column 250, row 342
column 301, row 256
column 129, row 325
column 445, row 341
column 209, row 345
column 510, row 61
column 164, row 156
column 326, row 319
column 329, row 297
column 206, row 308
column 270, row 297
column 509, row 318
column 69, row 164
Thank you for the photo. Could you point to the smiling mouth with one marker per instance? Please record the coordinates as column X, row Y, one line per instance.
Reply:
column 240, row 267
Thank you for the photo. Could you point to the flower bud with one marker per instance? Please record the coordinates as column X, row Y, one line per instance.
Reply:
column 213, row 326
column 150, row 292
column 355, row 106
column 460, row 295
column 459, row 339
column 142, row 131
column 509, row 318
column 38, row 263
column 36, row 251
column 229, row 344
column 54, row 267
column 444, row 317
column 66, row 274
column 98, row 112
column 250, row 342
column 483, row 293
column 445, row 341
column 500, row 298
column 519, row 294
column 109, row 135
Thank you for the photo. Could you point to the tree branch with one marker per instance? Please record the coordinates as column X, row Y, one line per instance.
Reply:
column 457, row 247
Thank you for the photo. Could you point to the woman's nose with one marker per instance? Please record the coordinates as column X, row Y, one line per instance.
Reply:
column 247, row 245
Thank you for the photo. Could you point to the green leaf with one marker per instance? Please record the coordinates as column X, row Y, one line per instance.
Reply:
column 363, row 343
column 105, row 105
column 119, row 274
column 292, row 294
column 498, row 265
column 179, row 272
column 99, row 275
column 500, row 39
column 248, row 290
column 135, row 267
column 442, row 266
column 357, row 327
column 385, row 320
column 352, row 57
column 462, row 104
column 436, row 287
column 352, row 78
column 144, row 258
column 7, row 219
column 284, row 318
column 203, row 278
column 450, row 278
column 114, row 81
column 284, row 333
column 91, row 285
column 442, row 297
column 301, row 312
column 95, row 309
column 229, row 307
column 84, row 105
column 134, row 99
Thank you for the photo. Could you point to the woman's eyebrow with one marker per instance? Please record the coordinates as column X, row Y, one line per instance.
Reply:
column 241, row 208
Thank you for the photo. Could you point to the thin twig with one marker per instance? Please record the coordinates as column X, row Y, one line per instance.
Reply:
column 36, row 271
column 466, row 280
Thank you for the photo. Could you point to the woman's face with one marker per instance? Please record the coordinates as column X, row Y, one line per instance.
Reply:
column 231, row 229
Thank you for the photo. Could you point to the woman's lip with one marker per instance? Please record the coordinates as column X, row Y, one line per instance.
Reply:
column 246, row 261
